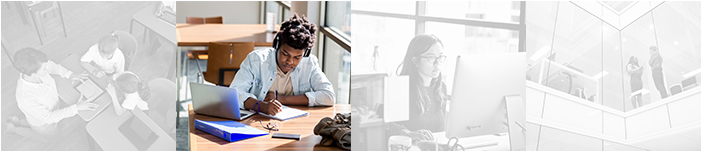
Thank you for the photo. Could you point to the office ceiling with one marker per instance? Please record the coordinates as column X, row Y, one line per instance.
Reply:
column 676, row 30
column 619, row 7
column 675, row 27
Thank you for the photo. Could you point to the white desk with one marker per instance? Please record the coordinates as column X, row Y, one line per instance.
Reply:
column 469, row 142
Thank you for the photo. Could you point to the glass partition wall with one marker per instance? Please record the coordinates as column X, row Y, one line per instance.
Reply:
column 578, row 50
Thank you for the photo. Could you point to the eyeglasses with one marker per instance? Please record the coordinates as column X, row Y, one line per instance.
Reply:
column 434, row 59
column 270, row 126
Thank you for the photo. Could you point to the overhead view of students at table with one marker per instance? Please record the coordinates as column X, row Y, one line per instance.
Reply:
column 287, row 68
column 37, row 97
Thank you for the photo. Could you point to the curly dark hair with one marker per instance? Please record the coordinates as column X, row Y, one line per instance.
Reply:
column 296, row 37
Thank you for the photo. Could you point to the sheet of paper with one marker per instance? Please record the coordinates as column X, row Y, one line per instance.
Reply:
column 89, row 89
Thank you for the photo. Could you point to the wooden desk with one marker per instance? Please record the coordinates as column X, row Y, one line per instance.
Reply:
column 303, row 126
column 202, row 34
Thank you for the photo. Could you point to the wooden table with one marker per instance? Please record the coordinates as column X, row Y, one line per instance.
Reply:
column 202, row 34
column 304, row 126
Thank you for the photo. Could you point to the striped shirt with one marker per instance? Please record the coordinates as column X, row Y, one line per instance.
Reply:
column 39, row 101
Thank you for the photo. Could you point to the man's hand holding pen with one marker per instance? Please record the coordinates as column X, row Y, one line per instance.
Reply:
column 270, row 104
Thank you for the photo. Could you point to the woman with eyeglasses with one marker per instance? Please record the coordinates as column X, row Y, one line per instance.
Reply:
column 427, row 101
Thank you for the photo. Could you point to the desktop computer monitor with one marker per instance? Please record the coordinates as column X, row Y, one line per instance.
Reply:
column 481, row 82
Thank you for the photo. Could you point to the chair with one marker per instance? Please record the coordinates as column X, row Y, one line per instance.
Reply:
column 162, row 104
column 195, row 20
column 675, row 89
column 689, row 83
column 225, row 57
column 199, row 20
column 208, row 20
column 38, row 10
column 214, row 20
column 128, row 46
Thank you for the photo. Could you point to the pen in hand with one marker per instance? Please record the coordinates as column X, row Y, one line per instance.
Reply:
column 277, row 99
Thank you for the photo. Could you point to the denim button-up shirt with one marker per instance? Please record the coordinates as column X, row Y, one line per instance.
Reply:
column 258, row 70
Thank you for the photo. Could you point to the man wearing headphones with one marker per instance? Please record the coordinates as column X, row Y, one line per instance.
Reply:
column 286, row 74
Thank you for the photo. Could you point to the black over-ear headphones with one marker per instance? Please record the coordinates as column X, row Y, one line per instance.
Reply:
column 276, row 43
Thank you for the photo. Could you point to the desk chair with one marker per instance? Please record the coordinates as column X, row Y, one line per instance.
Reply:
column 194, row 20
column 38, row 10
column 689, row 83
column 200, row 20
column 214, row 20
column 128, row 46
column 675, row 89
column 225, row 57
column 162, row 107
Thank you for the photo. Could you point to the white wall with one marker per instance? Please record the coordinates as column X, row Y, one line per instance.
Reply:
column 240, row 12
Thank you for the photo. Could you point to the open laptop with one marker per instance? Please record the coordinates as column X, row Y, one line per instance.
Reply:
column 217, row 101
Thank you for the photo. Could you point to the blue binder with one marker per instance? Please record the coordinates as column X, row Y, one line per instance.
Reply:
column 229, row 130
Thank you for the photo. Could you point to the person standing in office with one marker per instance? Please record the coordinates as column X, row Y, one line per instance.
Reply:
column 656, row 68
column 635, row 71
column 287, row 68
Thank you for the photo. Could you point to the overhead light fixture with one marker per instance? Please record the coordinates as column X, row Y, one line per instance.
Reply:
column 539, row 54
column 599, row 75
column 692, row 73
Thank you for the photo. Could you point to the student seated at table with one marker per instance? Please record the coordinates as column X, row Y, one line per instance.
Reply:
column 130, row 91
column 37, row 97
column 288, row 68
column 104, row 58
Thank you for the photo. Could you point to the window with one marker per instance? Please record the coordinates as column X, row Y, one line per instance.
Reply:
column 334, row 45
column 392, row 7
column 280, row 8
column 463, row 27
column 338, row 16
column 496, row 11
column 591, row 55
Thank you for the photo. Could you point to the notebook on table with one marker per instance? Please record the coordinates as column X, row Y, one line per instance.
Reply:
column 286, row 114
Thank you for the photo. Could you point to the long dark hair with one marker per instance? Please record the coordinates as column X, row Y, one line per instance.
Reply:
column 419, row 45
